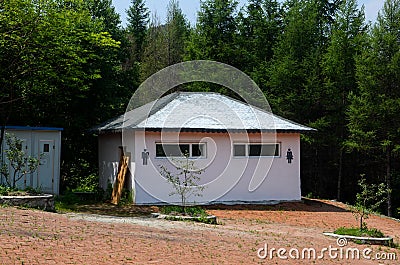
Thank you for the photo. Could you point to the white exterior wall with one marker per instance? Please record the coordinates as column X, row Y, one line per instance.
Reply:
column 47, row 176
column 109, row 155
column 227, row 177
column 108, row 158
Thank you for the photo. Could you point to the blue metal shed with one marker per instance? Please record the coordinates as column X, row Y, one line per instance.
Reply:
column 43, row 143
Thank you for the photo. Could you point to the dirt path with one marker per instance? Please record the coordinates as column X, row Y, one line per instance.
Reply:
column 35, row 237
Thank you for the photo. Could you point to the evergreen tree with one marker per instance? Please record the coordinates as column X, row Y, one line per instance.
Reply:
column 259, row 28
column 104, row 11
column 295, row 88
column 165, row 44
column 373, row 114
column 347, row 38
column 138, row 20
column 215, row 33
column 177, row 32
column 155, row 52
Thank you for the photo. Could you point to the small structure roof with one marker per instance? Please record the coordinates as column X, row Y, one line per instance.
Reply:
column 199, row 111
column 29, row 128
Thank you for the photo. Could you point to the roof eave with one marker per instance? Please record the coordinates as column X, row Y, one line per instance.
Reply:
column 205, row 130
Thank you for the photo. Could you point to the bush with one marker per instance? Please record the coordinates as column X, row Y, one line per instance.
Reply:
column 5, row 190
column 88, row 184
column 126, row 197
column 33, row 191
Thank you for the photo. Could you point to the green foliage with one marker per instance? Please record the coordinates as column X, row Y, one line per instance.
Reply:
column 67, row 202
column 176, row 210
column 88, row 184
column 18, row 163
column 126, row 197
column 164, row 44
column 373, row 113
column 215, row 33
column 317, row 62
column 260, row 24
column 185, row 180
column 368, row 200
column 33, row 191
column 64, row 59
column 310, row 195
column 138, row 20
column 355, row 231
column 5, row 190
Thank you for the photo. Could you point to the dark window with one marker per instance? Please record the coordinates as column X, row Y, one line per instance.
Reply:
column 160, row 150
column 46, row 148
column 239, row 150
column 264, row 150
column 180, row 150
column 198, row 150
column 256, row 150
column 172, row 150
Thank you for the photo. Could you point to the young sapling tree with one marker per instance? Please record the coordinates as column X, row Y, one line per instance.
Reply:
column 368, row 200
column 185, row 179
column 19, row 163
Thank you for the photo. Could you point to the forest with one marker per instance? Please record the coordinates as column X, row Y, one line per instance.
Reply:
column 71, row 64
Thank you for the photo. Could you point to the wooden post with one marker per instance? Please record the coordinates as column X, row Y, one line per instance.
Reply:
column 119, row 182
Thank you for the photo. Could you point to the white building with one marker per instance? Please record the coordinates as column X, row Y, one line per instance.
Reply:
column 43, row 143
column 247, row 154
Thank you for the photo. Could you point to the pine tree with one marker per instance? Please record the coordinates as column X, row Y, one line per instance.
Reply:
column 339, row 64
column 165, row 44
column 177, row 32
column 138, row 20
column 373, row 114
column 259, row 28
column 295, row 88
column 215, row 33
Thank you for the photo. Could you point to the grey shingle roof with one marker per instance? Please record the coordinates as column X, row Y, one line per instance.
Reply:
column 199, row 112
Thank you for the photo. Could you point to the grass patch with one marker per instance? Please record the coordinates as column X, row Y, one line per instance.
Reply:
column 355, row 231
column 8, row 191
column 66, row 203
column 178, row 212
column 194, row 211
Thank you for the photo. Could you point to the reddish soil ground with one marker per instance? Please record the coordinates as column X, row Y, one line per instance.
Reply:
column 35, row 237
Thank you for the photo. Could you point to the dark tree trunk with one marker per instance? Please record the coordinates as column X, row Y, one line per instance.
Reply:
column 339, row 183
column 389, row 182
column 2, row 130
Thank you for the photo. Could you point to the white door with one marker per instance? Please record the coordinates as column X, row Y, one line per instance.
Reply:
column 24, row 181
column 45, row 172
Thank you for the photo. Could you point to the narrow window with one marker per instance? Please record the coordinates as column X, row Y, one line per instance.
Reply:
column 264, row 150
column 180, row 150
column 160, row 151
column 172, row 150
column 239, row 150
column 46, row 148
column 256, row 150
column 198, row 150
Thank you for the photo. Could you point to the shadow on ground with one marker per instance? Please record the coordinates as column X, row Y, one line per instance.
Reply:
column 306, row 205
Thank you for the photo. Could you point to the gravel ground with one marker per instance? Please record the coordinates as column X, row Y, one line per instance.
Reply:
column 35, row 237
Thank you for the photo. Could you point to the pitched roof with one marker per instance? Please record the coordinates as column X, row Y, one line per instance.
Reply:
column 200, row 111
